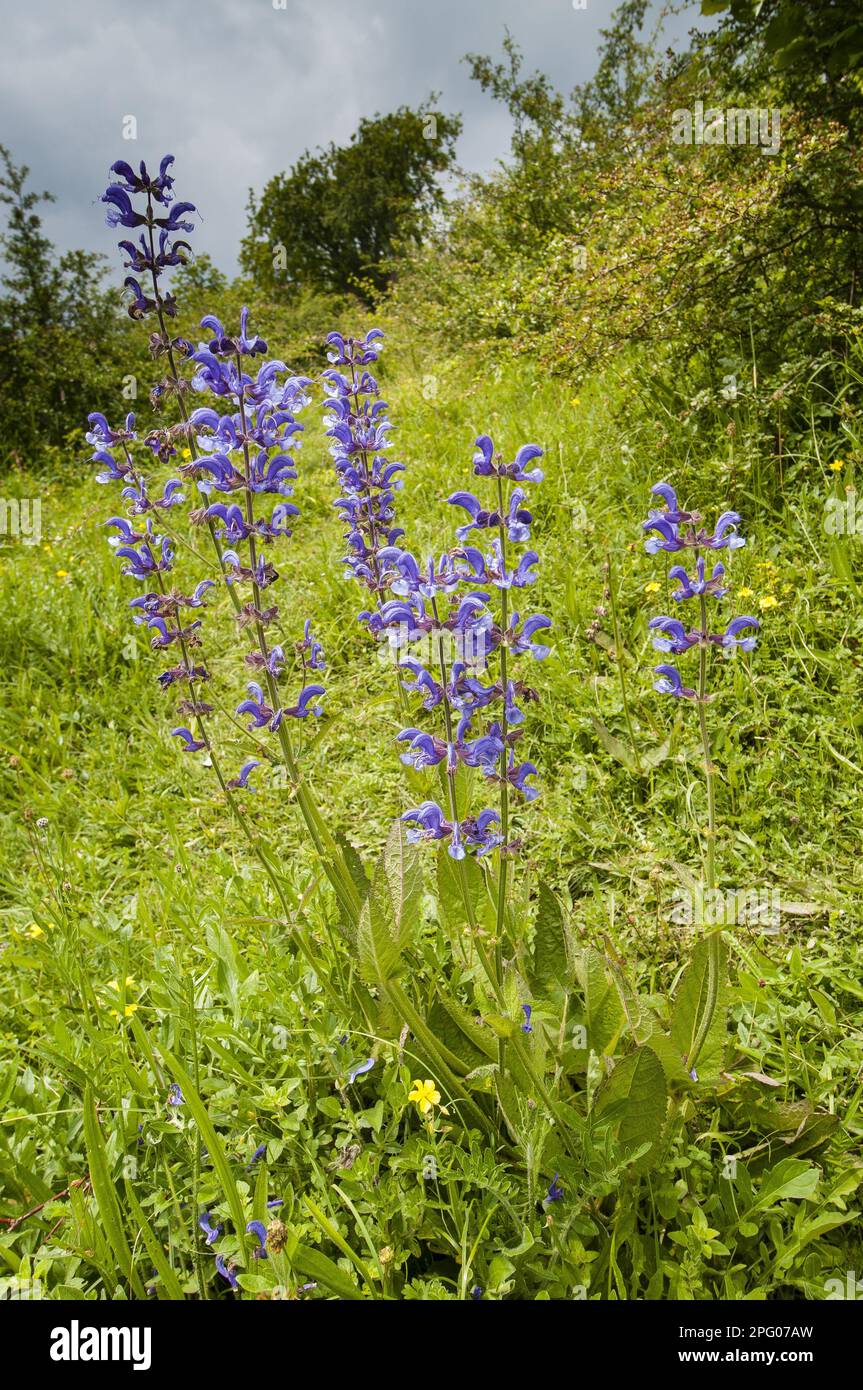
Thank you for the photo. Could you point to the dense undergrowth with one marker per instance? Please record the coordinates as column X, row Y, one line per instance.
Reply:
column 134, row 921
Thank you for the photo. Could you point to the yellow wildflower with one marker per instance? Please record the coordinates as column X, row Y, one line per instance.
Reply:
column 768, row 601
column 652, row 587
column 62, row 574
column 837, row 465
column 745, row 592
column 424, row 1095
column 129, row 1010
column 575, row 401
column 34, row 932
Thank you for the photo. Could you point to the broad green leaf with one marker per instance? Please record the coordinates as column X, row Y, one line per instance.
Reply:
column 636, row 1096
column 391, row 911
column 689, row 1005
column 323, row 1270
column 604, row 1016
column 613, row 745
column 552, row 945
column 792, row 1177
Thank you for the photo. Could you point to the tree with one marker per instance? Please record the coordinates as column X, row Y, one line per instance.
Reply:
column 58, row 328
column 337, row 219
column 815, row 50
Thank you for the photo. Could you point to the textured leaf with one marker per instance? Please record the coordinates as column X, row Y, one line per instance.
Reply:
column 636, row 1095
column 604, row 1016
column 552, row 945
column 689, row 1005
column 391, row 911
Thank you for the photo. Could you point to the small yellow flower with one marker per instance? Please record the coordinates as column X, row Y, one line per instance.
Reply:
column 34, row 932
column 837, row 465
column 652, row 587
column 768, row 601
column 575, row 401
column 62, row 574
column 745, row 592
column 424, row 1095
column 129, row 1010
column 186, row 453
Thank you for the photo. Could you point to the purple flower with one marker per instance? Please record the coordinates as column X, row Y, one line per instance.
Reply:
column 526, row 1027
column 522, row 641
column 190, row 743
column 730, row 638
column 675, row 638
column 360, row 1069
column 311, row 650
column 227, row 1271
column 175, row 1095
column 303, row 708
column 243, row 343
column 487, row 464
column 671, row 683
column 259, row 1231
column 242, row 781
column 694, row 588
column 211, row 1232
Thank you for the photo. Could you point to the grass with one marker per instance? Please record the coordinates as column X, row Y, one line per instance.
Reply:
column 141, row 946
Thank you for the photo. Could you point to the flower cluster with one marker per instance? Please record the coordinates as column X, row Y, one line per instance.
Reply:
column 356, row 422
column 677, row 530
column 432, row 613
column 234, row 458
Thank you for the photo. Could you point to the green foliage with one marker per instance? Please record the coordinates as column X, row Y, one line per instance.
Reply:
column 142, row 948
column 335, row 221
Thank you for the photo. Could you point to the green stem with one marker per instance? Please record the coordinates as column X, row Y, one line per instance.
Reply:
column 714, row 940
column 331, row 860
column 503, row 870
column 618, row 659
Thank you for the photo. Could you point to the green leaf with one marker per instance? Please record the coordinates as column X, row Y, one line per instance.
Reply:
column 614, row 746
column 457, row 1028
column 106, row 1194
column 324, row 1271
column 170, row 1282
column 792, row 1177
column 604, row 1015
column 214, row 1145
column 689, row 1006
column 552, row 942
column 635, row 1096
column 391, row 911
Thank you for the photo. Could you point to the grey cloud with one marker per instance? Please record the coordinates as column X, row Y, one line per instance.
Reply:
column 237, row 89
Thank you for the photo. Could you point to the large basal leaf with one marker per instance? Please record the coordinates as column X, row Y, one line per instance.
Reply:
column 688, row 1008
column 604, row 1015
column 458, row 1029
column 552, row 943
column 635, row 1097
column 391, row 911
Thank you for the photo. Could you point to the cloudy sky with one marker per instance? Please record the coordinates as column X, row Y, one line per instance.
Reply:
column 238, row 89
